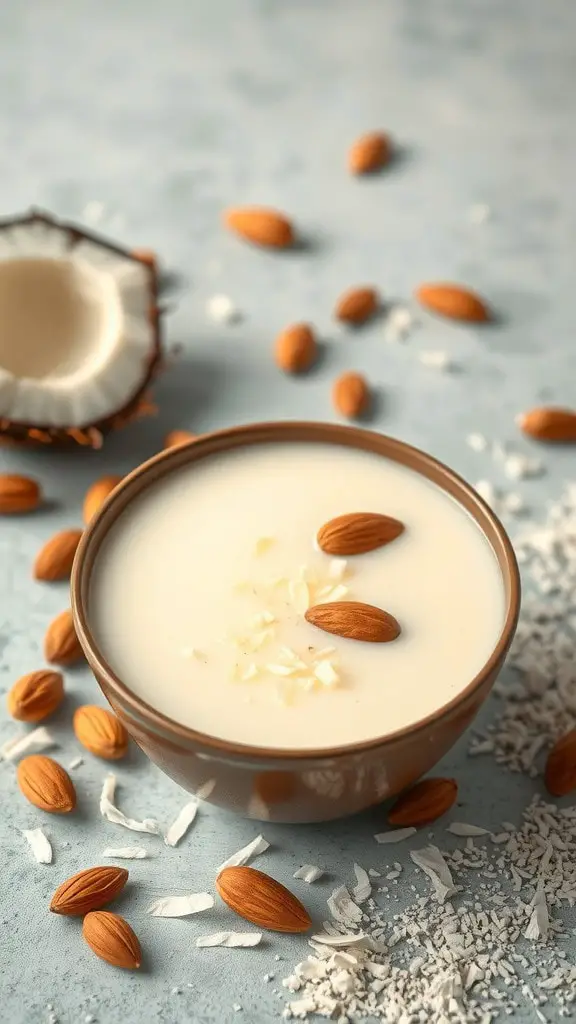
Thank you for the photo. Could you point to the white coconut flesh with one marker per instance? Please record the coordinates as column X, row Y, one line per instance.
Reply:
column 76, row 335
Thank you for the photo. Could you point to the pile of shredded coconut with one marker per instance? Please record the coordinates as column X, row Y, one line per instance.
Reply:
column 471, row 945
column 539, row 703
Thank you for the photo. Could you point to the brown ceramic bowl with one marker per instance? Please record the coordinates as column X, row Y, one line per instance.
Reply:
column 293, row 785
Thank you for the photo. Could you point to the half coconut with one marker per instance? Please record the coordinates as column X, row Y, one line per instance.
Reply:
column 79, row 333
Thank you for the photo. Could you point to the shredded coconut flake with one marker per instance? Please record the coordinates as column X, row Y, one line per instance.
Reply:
column 222, row 310
column 363, row 887
column 112, row 813
column 399, row 324
column 231, row 940
column 461, row 828
column 181, row 906
column 308, row 873
column 182, row 823
column 432, row 862
column 435, row 360
column 39, row 844
column 76, row 762
column 477, row 442
column 32, row 743
column 396, row 835
column 242, row 856
column 125, row 852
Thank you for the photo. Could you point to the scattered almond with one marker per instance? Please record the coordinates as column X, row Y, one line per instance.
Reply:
column 369, row 153
column 295, row 348
column 18, row 494
column 96, row 495
column 177, row 437
column 100, row 732
column 88, row 890
column 351, row 395
column 54, row 560
column 560, row 771
column 423, row 803
column 355, row 621
column 61, row 645
column 36, row 695
column 550, row 423
column 260, row 225
column 453, row 301
column 46, row 785
column 112, row 939
column 262, row 900
column 358, row 532
column 357, row 305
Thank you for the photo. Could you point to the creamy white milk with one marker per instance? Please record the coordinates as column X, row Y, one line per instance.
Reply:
column 198, row 596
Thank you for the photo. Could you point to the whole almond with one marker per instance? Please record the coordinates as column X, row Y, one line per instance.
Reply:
column 295, row 348
column 262, row 900
column 369, row 153
column 453, row 301
column 18, row 494
column 36, row 695
column 54, row 560
column 46, row 785
column 357, row 305
column 177, row 437
column 260, row 225
column 550, row 423
column 88, row 890
column 423, row 803
column 351, row 395
column 112, row 939
column 355, row 621
column 100, row 732
column 358, row 532
column 96, row 495
column 560, row 771
column 61, row 644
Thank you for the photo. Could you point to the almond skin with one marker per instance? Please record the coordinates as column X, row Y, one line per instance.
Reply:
column 112, row 939
column 295, row 349
column 54, row 560
column 423, row 803
column 261, row 226
column 18, row 494
column 550, row 423
column 36, row 695
column 46, row 785
column 351, row 395
column 61, row 645
column 100, row 732
column 560, row 771
column 177, row 437
column 369, row 153
column 96, row 495
column 357, row 533
column 453, row 301
column 88, row 890
column 357, row 305
column 262, row 900
column 355, row 621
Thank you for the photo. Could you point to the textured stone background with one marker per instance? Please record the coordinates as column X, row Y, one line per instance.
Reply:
column 165, row 113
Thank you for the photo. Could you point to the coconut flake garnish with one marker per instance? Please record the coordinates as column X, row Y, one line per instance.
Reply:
column 222, row 310
column 399, row 323
column 206, row 789
column 540, row 920
column 39, row 844
column 342, row 907
column 436, row 360
column 363, row 888
column 231, row 940
column 125, row 852
column 358, row 939
column 308, row 873
column 181, row 906
column 432, row 863
column 112, row 813
column 242, row 856
column 477, row 442
column 181, row 823
column 76, row 762
column 32, row 742
column 461, row 828
column 396, row 835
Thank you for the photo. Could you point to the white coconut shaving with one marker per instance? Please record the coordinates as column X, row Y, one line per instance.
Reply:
column 76, row 762
column 39, row 844
column 32, row 743
column 112, row 813
column 206, row 789
column 125, row 852
column 242, row 856
column 343, row 908
column 182, row 823
column 181, row 906
column 432, row 863
column 461, row 828
column 396, row 835
column 232, row 940
column 223, row 310
column 436, row 360
column 399, row 324
column 308, row 873
column 477, row 442
column 363, row 888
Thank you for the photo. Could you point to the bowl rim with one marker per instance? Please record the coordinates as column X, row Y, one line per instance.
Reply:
column 220, row 441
